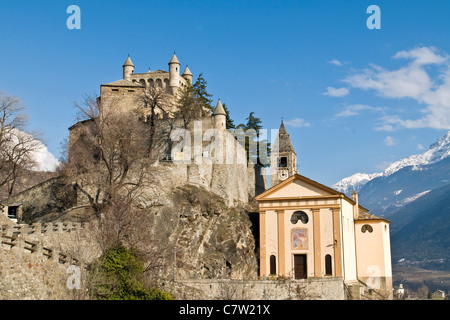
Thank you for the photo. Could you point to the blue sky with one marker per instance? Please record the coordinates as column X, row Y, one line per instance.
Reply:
column 353, row 99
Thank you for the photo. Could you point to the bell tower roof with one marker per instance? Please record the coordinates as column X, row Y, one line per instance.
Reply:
column 284, row 140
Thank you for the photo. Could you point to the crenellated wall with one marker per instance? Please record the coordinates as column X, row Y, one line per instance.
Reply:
column 38, row 261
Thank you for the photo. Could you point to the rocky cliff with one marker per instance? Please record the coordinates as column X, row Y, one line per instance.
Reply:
column 206, row 238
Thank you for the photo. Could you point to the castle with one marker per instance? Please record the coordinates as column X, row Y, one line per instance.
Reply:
column 306, row 230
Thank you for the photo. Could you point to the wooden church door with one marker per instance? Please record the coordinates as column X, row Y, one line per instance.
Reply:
column 300, row 266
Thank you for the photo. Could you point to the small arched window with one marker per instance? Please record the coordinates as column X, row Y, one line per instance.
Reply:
column 273, row 264
column 299, row 215
column 366, row 227
column 328, row 265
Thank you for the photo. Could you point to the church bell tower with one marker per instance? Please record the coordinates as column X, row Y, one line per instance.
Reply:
column 284, row 162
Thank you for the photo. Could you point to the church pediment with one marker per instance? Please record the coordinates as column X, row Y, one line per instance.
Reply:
column 297, row 186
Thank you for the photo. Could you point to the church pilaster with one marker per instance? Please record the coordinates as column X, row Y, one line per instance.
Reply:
column 337, row 242
column 262, row 243
column 316, row 243
column 281, row 243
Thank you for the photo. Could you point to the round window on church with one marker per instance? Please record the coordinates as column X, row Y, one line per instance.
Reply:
column 366, row 227
column 299, row 215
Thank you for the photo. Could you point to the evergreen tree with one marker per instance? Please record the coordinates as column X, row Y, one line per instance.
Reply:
column 229, row 122
column 200, row 92
column 253, row 122
column 252, row 128
column 189, row 106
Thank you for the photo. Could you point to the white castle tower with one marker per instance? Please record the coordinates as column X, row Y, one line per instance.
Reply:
column 128, row 69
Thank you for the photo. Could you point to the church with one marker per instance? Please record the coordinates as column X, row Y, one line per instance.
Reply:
column 309, row 230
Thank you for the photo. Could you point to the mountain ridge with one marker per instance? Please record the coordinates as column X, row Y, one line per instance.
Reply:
column 437, row 152
column 419, row 231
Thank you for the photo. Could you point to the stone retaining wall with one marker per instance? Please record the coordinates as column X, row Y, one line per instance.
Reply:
column 38, row 261
column 286, row 289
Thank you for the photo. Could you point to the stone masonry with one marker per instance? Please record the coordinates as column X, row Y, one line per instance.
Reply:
column 37, row 261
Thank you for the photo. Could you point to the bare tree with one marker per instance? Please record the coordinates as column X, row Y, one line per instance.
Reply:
column 110, row 158
column 112, row 152
column 16, row 145
column 154, row 105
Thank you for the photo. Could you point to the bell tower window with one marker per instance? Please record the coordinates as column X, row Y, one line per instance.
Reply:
column 282, row 162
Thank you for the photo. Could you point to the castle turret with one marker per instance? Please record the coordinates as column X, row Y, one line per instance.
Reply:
column 174, row 74
column 187, row 75
column 283, row 157
column 128, row 69
column 220, row 116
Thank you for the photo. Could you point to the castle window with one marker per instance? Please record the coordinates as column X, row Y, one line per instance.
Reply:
column 12, row 212
column 282, row 162
column 273, row 264
column 328, row 265
column 366, row 227
column 130, row 90
column 115, row 89
column 299, row 215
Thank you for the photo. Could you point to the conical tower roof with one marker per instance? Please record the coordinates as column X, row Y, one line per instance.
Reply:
column 174, row 59
column 187, row 72
column 128, row 62
column 219, row 110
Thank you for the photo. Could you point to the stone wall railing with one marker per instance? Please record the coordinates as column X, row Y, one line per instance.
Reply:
column 41, row 229
column 15, row 237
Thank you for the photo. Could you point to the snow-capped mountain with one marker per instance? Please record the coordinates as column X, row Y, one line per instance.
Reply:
column 403, row 181
column 355, row 182
column 435, row 153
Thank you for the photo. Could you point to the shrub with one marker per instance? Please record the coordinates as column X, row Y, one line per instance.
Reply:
column 118, row 275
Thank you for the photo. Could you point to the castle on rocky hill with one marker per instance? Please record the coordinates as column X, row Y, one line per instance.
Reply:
column 299, row 229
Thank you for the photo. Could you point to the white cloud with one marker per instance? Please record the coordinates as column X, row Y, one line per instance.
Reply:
column 413, row 81
column 41, row 158
column 336, row 92
column 389, row 141
column 354, row 110
column 408, row 82
column 336, row 62
column 297, row 122
column 422, row 56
